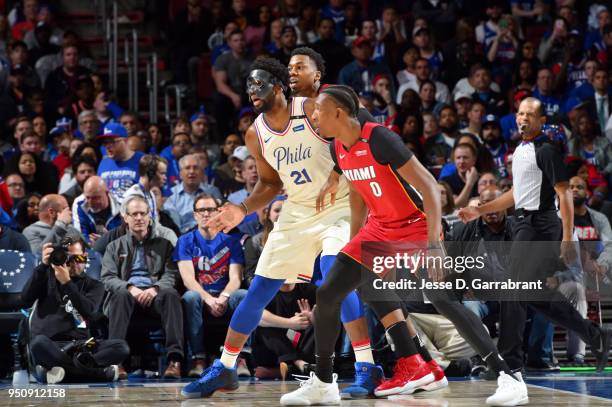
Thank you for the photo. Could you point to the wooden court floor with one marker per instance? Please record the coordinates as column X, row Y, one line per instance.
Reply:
column 557, row 390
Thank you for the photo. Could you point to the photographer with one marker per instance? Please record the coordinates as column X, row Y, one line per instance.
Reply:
column 68, row 300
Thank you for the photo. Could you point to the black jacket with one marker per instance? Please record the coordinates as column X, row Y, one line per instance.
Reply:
column 61, row 307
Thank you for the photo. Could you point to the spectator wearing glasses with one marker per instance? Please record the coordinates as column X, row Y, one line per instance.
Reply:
column 138, row 271
column 211, row 266
column 119, row 169
column 16, row 188
column 68, row 300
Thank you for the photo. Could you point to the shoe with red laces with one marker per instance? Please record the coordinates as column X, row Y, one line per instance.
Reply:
column 439, row 377
column 409, row 374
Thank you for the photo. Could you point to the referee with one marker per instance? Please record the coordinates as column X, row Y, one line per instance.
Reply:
column 539, row 174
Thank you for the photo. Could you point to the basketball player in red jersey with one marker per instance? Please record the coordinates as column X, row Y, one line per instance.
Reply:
column 306, row 70
column 384, row 180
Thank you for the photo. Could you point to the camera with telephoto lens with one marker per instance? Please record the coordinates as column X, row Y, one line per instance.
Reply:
column 59, row 255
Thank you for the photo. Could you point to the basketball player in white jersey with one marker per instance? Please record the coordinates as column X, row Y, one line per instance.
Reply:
column 289, row 154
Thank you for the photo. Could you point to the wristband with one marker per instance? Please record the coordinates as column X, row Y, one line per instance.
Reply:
column 246, row 208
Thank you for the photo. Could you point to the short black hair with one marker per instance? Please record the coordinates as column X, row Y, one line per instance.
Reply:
column 314, row 57
column 345, row 97
column 273, row 67
column 83, row 159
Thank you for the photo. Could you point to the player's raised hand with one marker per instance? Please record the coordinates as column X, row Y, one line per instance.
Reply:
column 227, row 218
column 330, row 187
column 468, row 214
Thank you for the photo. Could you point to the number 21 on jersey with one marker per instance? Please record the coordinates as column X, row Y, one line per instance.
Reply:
column 300, row 177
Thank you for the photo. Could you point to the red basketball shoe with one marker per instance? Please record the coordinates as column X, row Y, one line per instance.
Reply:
column 409, row 374
column 439, row 377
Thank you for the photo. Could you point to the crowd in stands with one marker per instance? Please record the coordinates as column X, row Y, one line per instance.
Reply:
column 446, row 76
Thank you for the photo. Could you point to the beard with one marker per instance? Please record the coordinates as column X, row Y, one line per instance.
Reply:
column 265, row 106
column 492, row 142
column 449, row 129
column 579, row 201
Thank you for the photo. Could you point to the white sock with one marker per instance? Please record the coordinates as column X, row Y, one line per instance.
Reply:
column 229, row 356
column 363, row 351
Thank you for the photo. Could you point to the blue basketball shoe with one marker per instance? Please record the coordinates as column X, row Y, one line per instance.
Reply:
column 367, row 377
column 216, row 377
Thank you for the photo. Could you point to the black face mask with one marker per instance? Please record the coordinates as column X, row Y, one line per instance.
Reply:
column 260, row 83
column 579, row 201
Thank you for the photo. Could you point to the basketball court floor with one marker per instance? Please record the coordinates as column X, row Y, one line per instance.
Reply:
column 561, row 389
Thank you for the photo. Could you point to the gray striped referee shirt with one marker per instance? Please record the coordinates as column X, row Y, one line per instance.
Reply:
column 536, row 168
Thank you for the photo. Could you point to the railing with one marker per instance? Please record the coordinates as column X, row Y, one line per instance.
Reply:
column 111, row 45
column 152, row 86
column 106, row 14
column 180, row 91
column 131, row 62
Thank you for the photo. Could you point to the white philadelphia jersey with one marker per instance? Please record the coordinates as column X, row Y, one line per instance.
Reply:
column 299, row 155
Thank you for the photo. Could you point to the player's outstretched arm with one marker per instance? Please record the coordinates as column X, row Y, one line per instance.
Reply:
column 505, row 201
column 566, row 207
column 416, row 175
column 268, row 186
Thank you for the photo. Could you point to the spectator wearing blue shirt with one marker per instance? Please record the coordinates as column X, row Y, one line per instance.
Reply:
column 181, row 143
column 335, row 11
column 250, row 225
column 95, row 212
column 360, row 73
column 180, row 204
column 119, row 169
column 211, row 266
column 544, row 93
column 586, row 90
column 493, row 141
column 594, row 39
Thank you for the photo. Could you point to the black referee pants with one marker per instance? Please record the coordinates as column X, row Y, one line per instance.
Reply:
column 534, row 260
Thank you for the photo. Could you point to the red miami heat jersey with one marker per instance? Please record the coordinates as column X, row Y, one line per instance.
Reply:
column 392, row 203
